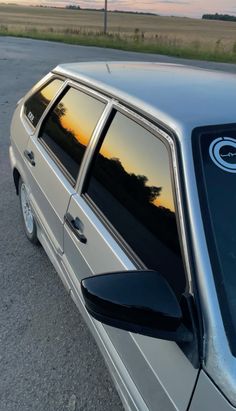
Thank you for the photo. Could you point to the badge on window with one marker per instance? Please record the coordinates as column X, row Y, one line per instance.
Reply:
column 223, row 153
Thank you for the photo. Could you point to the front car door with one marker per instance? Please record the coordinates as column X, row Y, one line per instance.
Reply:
column 126, row 210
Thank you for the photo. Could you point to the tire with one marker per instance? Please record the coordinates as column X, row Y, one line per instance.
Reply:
column 29, row 223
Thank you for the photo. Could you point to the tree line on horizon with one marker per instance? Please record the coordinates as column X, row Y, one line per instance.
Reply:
column 217, row 16
column 77, row 7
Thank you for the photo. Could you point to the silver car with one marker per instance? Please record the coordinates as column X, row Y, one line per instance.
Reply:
column 126, row 176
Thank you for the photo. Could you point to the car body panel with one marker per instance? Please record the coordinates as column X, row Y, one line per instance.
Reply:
column 156, row 380
column 50, row 191
column 150, row 374
column 203, row 93
column 208, row 397
column 218, row 360
column 23, row 129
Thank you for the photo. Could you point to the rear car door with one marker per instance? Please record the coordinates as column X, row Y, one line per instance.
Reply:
column 54, row 156
column 125, row 218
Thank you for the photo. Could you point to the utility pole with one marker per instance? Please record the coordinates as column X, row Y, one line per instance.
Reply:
column 105, row 17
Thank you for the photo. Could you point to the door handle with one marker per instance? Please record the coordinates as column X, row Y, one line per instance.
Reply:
column 76, row 226
column 29, row 155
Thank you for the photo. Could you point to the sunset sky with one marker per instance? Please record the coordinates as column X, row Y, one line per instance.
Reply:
column 191, row 8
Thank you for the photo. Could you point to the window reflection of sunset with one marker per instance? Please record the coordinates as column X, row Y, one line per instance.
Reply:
column 150, row 157
column 78, row 131
column 82, row 112
column 51, row 89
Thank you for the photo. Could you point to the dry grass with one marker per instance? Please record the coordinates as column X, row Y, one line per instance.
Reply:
column 185, row 37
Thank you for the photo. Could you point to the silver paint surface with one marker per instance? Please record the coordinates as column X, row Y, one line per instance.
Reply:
column 200, row 107
column 177, row 95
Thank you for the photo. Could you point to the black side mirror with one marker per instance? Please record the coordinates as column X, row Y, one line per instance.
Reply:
column 136, row 301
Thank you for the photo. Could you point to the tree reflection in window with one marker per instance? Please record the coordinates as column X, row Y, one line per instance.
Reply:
column 38, row 102
column 68, row 128
column 134, row 206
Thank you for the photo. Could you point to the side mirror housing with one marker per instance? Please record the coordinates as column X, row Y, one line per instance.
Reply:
column 137, row 301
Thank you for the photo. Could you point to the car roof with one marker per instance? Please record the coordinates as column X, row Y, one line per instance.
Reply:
column 182, row 97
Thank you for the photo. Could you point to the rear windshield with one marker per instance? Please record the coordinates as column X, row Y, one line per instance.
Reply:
column 215, row 164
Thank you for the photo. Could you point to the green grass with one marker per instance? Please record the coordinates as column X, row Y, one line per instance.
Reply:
column 165, row 45
column 174, row 36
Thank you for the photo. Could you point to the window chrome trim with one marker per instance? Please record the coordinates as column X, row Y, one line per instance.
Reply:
column 56, row 161
column 36, row 89
column 50, row 105
column 92, row 146
column 87, row 90
column 175, row 184
column 97, row 96
column 174, row 170
column 114, row 233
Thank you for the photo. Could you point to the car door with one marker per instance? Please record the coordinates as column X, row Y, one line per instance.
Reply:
column 125, row 217
column 30, row 110
column 54, row 156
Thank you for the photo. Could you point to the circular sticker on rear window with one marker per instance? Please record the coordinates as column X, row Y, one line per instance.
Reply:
column 223, row 152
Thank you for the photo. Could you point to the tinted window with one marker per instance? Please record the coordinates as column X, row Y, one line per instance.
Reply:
column 68, row 128
column 131, row 185
column 38, row 102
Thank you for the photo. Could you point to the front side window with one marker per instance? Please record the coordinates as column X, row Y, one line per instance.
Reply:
column 131, row 185
column 38, row 102
column 215, row 165
column 68, row 128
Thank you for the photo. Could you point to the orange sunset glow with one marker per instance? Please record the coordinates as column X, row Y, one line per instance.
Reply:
column 189, row 8
column 77, row 108
column 151, row 162
column 78, row 130
column 123, row 134
column 50, row 91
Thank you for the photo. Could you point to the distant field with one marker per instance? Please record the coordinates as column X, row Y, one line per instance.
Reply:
column 185, row 37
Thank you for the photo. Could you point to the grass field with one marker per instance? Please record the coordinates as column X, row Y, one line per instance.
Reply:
column 184, row 37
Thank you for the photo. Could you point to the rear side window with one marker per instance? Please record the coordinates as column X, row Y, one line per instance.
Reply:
column 131, row 185
column 68, row 128
column 38, row 102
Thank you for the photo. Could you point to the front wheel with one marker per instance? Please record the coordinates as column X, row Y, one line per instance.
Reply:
column 28, row 218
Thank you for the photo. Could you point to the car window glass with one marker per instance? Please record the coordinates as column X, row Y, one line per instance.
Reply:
column 131, row 184
column 38, row 102
column 68, row 128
